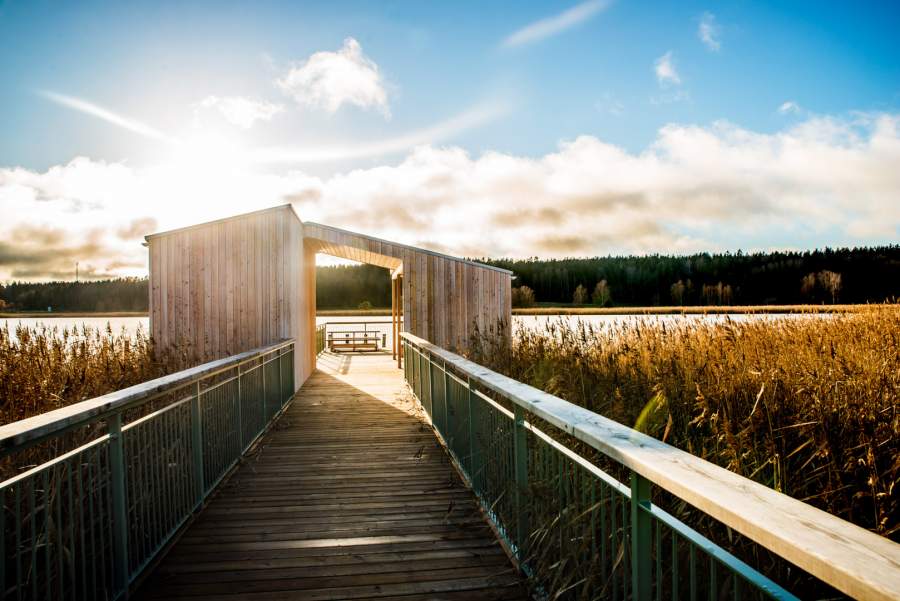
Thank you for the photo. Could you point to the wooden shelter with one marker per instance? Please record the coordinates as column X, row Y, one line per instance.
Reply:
column 239, row 283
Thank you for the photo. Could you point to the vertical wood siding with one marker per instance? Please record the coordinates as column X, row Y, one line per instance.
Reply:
column 444, row 299
column 225, row 287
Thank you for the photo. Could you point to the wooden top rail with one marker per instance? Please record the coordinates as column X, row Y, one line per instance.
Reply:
column 857, row 562
column 34, row 429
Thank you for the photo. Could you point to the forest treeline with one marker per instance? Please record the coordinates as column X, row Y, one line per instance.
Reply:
column 123, row 294
column 842, row 275
column 337, row 287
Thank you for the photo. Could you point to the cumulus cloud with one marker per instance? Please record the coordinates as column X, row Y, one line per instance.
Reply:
column 240, row 111
column 328, row 80
column 138, row 228
column 709, row 32
column 666, row 73
column 827, row 179
column 556, row 24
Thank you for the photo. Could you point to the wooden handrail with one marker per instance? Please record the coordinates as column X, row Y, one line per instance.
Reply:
column 855, row 561
column 33, row 429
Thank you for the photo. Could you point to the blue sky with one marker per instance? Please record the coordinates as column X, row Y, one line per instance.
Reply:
column 502, row 100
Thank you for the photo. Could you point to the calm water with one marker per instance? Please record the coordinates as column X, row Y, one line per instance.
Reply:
column 131, row 324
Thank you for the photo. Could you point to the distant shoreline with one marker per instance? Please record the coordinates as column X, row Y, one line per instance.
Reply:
column 534, row 311
column 694, row 310
column 36, row 314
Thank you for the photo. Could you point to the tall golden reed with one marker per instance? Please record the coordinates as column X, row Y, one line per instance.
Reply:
column 808, row 405
column 44, row 368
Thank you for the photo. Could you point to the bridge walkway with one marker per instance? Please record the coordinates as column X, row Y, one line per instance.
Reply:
column 350, row 496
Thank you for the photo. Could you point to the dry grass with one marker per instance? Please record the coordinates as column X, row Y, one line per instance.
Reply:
column 45, row 368
column 809, row 407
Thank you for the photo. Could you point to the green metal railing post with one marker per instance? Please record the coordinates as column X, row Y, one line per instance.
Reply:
column 430, row 367
column 641, row 563
column 265, row 398
column 119, row 505
column 280, row 381
column 446, row 406
column 472, row 467
column 197, row 444
column 520, row 453
column 239, row 412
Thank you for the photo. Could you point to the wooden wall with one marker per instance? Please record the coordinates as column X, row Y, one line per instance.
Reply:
column 228, row 286
column 221, row 288
column 444, row 298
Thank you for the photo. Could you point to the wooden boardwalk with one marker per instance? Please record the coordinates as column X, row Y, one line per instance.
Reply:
column 349, row 497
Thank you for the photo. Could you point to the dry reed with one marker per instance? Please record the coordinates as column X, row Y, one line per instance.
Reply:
column 809, row 406
column 44, row 368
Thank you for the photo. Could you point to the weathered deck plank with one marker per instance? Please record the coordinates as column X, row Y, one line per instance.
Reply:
column 350, row 497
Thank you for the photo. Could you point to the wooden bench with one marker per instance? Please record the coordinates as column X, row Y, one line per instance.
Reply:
column 353, row 341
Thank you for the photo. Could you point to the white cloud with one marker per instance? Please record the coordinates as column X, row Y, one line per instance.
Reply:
column 709, row 32
column 105, row 114
column 471, row 118
column 665, row 70
column 328, row 80
column 556, row 24
column 243, row 112
column 828, row 179
column 790, row 108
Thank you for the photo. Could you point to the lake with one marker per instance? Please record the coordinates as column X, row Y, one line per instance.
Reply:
column 131, row 324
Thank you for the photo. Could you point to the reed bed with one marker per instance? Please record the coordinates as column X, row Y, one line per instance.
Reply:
column 807, row 406
column 44, row 368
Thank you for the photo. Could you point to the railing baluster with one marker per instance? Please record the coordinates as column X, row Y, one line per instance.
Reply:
column 692, row 566
column 675, row 588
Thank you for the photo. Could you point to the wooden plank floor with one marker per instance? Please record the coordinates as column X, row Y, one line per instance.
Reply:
column 349, row 497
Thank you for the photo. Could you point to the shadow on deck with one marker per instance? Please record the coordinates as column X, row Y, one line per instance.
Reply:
column 350, row 496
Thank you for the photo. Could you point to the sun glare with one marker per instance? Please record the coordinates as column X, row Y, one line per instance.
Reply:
column 204, row 152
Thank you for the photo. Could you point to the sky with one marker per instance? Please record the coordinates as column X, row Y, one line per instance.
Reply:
column 480, row 129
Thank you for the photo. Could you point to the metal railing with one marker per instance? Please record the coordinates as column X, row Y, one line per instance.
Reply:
column 85, row 523
column 585, row 532
column 320, row 338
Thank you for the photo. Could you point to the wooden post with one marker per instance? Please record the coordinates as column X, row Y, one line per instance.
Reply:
column 393, row 317
column 399, row 318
